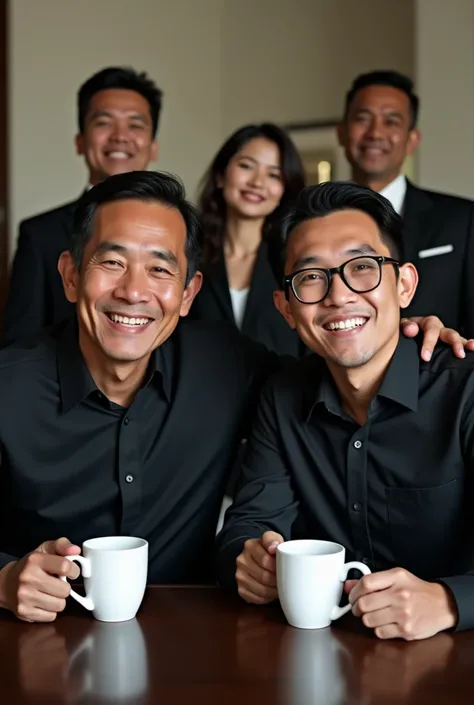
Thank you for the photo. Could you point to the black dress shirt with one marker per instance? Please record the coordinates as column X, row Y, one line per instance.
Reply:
column 74, row 464
column 397, row 491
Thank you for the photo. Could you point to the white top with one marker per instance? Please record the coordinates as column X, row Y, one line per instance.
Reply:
column 239, row 302
column 395, row 193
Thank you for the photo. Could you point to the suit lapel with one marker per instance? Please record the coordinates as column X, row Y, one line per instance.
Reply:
column 419, row 227
column 219, row 285
column 263, row 280
column 67, row 219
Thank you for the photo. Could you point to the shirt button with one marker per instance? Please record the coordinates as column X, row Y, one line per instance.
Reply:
column 126, row 420
column 357, row 506
column 129, row 478
column 357, row 444
column 366, row 561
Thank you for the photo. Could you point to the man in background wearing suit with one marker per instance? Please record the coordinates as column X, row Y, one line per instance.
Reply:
column 378, row 132
column 118, row 114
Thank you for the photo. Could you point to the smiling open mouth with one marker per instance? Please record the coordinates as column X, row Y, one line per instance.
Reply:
column 118, row 154
column 346, row 324
column 252, row 197
column 132, row 321
column 374, row 151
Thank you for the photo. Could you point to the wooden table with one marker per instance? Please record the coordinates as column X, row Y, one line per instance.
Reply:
column 197, row 645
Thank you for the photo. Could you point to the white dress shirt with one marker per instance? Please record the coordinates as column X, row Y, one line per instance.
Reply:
column 239, row 302
column 395, row 192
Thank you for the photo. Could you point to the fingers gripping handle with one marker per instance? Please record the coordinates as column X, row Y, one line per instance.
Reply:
column 339, row 611
column 86, row 573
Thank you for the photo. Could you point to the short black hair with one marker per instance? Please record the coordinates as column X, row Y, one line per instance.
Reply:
column 330, row 197
column 385, row 78
column 147, row 186
column 126, row 79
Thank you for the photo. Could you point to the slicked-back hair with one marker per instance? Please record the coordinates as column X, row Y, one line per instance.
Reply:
column 125, row 79
column 146, row 186
column 331, row 197
column 394, row 79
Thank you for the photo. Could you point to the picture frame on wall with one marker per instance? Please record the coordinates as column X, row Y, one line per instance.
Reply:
column 323, row 159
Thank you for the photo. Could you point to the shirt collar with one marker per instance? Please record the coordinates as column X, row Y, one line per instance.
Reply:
column 75, row 380
column 395, row 192
column 323, row 391
column 400, row 383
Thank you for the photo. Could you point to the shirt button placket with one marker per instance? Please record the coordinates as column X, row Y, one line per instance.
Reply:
column 357, row 490
column 129, row 471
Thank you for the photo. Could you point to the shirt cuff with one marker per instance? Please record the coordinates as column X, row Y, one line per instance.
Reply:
column 462, row 590
column 226, row 558
column 6, row 558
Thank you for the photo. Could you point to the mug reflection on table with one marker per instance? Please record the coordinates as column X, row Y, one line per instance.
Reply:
column 115, row 571
column 310, row 580
column 315, row 668
column 111, row 662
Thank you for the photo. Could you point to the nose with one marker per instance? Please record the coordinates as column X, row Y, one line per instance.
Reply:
column 339, row 293
column 257, row 177
column 375, row 129
column 119, row 132
column 133, row 287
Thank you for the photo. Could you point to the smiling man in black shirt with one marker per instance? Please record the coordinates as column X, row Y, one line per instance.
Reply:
column 121, row 421
column 111, row 424
column 365, row 445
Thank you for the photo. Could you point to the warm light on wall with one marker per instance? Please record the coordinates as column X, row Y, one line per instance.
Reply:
column 324, row 171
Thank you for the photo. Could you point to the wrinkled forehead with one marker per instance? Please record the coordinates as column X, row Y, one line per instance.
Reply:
column 139, row 225
column 332, row 239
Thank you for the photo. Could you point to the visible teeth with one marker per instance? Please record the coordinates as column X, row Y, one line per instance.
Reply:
column 346, row 325
column 129, row 321
column 118, row 155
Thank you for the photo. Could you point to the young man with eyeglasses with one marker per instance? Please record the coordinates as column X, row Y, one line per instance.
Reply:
column 363, row 444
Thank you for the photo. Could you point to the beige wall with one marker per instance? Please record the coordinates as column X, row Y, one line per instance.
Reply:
column 445, row 81
column 221, row 63
column 56, row 44
column 293, row 60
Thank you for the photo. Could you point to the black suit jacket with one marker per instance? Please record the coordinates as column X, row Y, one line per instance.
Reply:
column 438, row 238
column 262, row 321
column 36, row 295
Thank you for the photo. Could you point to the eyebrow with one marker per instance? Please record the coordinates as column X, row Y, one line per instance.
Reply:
column 390, row 112
column 109, row 113
column 316, row 261
column 252, row 159
column 163, row 255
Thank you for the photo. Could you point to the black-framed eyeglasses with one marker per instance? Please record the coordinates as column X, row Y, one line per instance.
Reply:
column 359, row 274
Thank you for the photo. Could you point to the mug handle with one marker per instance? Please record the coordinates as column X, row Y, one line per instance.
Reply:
column 339, row 611
column 86, row 573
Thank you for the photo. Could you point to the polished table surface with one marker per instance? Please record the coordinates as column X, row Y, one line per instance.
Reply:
column 199, row 645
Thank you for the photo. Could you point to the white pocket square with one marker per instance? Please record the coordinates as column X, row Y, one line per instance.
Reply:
column 435, row 251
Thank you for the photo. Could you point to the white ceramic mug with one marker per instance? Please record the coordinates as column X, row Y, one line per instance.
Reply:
column 115, row 570
column 310, row 579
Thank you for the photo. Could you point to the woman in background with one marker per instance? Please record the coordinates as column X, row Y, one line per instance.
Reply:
column 255, row 172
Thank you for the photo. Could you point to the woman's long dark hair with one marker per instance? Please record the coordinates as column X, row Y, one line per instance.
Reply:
column 211, row 203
